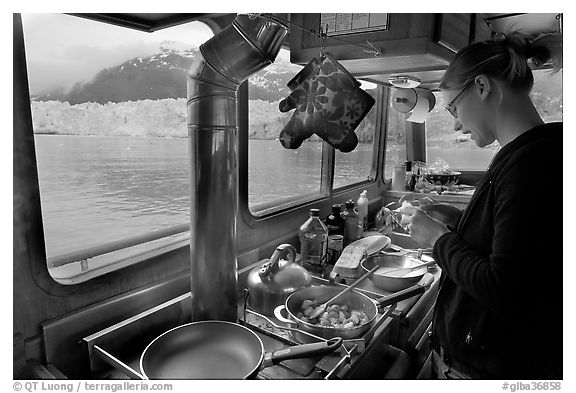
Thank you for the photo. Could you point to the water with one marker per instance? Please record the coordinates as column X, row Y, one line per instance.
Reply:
column 96, row 189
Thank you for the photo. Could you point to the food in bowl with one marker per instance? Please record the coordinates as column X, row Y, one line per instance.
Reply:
column 336, row 315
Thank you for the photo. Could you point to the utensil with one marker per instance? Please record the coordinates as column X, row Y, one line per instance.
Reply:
column 321, row 308
column 355, row 300
column 217, row 350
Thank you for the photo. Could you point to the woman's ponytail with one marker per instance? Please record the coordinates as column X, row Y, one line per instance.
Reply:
column 508, row 57
column 546, row 48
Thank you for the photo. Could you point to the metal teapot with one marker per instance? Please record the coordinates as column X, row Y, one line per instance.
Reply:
column 271, row 283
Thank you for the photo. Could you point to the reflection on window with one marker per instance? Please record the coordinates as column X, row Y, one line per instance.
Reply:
column 459, row 151
column 109, row 117
column 276, row 173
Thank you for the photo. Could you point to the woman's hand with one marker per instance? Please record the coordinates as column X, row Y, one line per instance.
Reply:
column 422, row 228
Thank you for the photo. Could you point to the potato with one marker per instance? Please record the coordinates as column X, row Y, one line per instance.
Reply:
column 306, row 303
column 335, row 316
column 354, row 318
column 308, row 311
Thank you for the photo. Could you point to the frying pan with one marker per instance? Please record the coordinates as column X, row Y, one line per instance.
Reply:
column 355, row 300
column 217, row 350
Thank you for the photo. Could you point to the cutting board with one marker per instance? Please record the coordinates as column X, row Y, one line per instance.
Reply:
column 348, row 265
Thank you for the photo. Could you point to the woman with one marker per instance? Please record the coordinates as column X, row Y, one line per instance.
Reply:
column 499, row 310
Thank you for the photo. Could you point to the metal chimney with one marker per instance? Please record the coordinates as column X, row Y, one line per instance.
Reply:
column 249, row 44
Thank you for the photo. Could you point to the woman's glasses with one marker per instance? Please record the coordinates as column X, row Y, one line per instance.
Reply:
column 451, row 108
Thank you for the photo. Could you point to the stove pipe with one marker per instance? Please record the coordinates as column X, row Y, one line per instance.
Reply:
column 227, row 59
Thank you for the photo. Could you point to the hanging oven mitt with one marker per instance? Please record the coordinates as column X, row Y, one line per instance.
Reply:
column 328, row 101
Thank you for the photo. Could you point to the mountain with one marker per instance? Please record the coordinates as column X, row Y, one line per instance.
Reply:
column 163, row 75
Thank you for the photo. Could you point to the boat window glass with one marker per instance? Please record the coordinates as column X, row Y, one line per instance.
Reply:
column 109, row 117
column 356, row 166
column 275, row 173
column 459, row 151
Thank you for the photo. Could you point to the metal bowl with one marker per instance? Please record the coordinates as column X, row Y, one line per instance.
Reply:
column 443, row 178
column 390, row 262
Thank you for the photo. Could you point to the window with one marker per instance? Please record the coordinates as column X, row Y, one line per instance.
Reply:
column 277, row 175
column 356, row 166
column 109, row 117
column 459, row 151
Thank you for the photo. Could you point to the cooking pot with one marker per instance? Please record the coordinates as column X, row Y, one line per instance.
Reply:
column 393, row 261
column 217, row 350
column 270, row 284
column 355, row 300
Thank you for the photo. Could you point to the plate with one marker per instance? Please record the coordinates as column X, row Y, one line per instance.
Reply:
column 371, row 244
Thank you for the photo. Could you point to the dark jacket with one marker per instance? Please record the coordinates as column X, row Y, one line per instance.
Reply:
column 499, row 309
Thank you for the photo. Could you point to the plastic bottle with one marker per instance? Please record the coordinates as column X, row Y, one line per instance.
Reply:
column 350, row 223
column 313, row 236
column 399, row 178
column 362, row 204
column 334, row 221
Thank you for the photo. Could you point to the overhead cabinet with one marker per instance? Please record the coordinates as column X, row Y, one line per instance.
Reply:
column 376, row 46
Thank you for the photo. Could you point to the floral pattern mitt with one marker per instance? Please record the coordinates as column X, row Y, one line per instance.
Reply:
column 328, row 101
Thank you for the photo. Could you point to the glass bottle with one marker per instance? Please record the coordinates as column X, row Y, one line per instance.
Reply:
column 334, row 221
column 350, row 223
column 313, row 235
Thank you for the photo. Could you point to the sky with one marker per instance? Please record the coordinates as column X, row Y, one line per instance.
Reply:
column 63, row 49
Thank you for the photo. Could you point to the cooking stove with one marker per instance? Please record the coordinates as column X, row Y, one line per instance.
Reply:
column 114, row 352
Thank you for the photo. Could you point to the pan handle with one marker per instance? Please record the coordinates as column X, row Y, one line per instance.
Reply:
column 406, row 293
column 302, row 351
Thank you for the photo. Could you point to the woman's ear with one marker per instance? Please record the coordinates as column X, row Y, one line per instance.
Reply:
column 483, row 85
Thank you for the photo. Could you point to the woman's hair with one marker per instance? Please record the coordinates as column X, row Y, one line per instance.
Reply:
column 506, row 58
